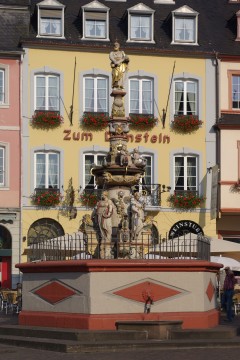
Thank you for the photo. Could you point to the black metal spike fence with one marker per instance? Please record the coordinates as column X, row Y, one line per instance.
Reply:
column 81, row 246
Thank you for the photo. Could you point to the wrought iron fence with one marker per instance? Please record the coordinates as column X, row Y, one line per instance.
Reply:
column 81, row 246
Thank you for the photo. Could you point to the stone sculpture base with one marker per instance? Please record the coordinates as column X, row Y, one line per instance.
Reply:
column 96, row 294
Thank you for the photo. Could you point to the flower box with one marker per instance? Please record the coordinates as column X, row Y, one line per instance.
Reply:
column 142, row 121
column 186, row 123
column 46, row 197
column 46, row 119
column 88, row 199
column 95, row 120
column 185, row 200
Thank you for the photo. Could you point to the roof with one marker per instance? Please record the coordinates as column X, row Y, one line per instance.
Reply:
column 14, row 23
column 217, row 26
column 216, row 31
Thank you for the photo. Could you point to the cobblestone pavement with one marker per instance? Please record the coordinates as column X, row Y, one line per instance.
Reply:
column 15, row 353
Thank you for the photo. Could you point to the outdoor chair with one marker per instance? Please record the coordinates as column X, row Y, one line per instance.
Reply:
column 236, row 303
column 3, row 299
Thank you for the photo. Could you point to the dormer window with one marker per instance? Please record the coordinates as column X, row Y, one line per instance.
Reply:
column 95, row 21
column 184, row 26
column 50, row 19
column 238, row 25
column 140, row 24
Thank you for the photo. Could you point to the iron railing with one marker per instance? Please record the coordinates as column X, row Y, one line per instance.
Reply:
column 82, row 246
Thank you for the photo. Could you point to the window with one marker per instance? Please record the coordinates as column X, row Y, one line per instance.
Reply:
column 236, row 91
column 2, row 166
column 184, row 25
column 185, row 97
column 140, row 23
column 140, row 27
column 47, row 92
column 2, row 86
column 141, row 96
column 95, row 21
column 51, row 19
column 148, row 170
column 96, row 94
column 44, row 229
column 46, row 170
column 185, row 173
column 89, row 160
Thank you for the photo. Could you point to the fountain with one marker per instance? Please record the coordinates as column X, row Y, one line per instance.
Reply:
column 132, row 292
column 120, row 172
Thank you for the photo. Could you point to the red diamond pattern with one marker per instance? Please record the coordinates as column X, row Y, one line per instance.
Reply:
column 140, row 292
column 210, row 290
column 54, row 292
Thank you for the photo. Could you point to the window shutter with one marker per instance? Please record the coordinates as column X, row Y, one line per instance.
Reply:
column 50, row 13
column 90, row 15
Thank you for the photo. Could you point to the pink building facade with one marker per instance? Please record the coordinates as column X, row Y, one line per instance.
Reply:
column 10, row 168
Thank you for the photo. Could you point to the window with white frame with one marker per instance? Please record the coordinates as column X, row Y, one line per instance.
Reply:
column 47, row 92
column 50, row 19
column 95, row 94
column 2, row 86
column 90, row 159
column 2, row 166
column 141, row 96
column 95, row 21
column 148, row 170
column 236, row 91
column 185, row 97
column 185, row 21
column 140, row 23
column 46, row 170
column 185, row 173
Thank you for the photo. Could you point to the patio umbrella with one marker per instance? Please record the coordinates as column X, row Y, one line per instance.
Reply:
column 226, row 261
column 220, row 246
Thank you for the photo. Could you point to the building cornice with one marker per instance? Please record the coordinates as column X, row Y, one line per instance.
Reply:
column 65, row 46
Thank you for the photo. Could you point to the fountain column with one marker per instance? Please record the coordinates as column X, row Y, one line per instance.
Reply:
column 120, row 171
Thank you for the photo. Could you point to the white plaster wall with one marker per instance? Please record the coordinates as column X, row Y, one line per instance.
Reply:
column 95, row 292
column 229, row 155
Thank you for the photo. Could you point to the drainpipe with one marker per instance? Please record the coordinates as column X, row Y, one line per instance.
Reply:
column 218, row 157
column 20, row 152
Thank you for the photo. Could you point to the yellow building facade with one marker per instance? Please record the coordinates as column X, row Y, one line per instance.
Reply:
column 72, row 142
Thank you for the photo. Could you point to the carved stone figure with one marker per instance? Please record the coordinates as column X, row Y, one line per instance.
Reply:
column 137, row 159
column 137, row 210
column 120, row 205
column 118, row 109
column 119, row 63
column 125, row 157
column 104, row 211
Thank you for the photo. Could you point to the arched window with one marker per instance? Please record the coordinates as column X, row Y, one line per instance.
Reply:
column 44, row 229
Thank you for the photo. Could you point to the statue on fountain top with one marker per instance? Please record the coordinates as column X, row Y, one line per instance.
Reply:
column 119, row 65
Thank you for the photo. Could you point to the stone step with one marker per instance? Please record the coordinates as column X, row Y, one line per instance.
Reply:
column 68, row 346
column 219, row 333
column 72, row 334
